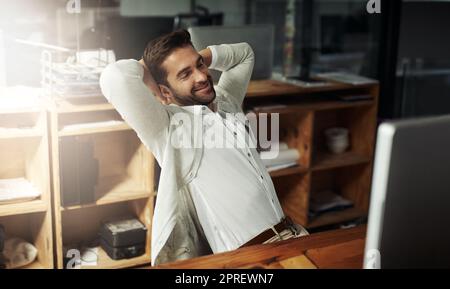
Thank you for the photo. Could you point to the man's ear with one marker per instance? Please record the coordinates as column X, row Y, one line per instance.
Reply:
column 166, row 94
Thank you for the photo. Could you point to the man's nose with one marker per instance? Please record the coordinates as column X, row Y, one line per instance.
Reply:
column 200, row 76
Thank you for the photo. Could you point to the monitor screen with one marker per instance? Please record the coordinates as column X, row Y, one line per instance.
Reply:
column 410, row 201
column 128, row 36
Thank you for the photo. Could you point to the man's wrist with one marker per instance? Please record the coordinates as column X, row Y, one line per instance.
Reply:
column 141, row 61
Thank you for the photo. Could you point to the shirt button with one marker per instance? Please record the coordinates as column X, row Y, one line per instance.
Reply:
column 235, row 133
column 204, row 107
column 249, row 155
column 262, row 178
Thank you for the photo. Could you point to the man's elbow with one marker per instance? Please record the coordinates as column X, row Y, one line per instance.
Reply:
column 116, row 76
column 250, row 55
column 106, row 80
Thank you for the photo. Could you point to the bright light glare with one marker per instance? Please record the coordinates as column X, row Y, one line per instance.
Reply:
column 2, row 62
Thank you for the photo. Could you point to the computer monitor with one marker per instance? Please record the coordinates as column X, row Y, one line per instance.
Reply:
column 128, row 36
column 260, row 37
column 409, row 217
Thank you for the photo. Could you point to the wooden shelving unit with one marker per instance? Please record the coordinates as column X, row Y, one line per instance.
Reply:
column 125, row 181
column 304, row 114
column 25, row 154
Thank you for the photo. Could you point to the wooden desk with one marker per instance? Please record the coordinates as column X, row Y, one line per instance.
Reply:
column 334, row 249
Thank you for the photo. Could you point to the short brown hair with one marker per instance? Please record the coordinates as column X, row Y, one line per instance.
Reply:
column 158, row 49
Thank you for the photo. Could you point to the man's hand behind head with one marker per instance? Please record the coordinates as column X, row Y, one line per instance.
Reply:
column 151, row 83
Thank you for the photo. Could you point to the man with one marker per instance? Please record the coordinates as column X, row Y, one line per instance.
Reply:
column 214, row 198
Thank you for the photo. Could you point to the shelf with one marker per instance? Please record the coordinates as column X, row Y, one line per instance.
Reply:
column 35, row 206
column 324, row 161
column 311, row 106
column 114, row 190
column 82, row 105
column 94, row 129
column 34, row 265
column 22, row 110
column 288, row 171
column 104, row 262
column 336, row 217
column 7, row 133
column 112, row 198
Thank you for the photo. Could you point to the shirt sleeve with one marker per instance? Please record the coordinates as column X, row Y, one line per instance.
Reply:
column 122, row 85
column 236, row 62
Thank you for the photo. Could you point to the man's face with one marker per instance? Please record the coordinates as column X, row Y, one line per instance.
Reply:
column 188, row 77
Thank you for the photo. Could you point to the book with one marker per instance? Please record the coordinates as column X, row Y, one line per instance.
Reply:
column 17, row 190
column 326, row 201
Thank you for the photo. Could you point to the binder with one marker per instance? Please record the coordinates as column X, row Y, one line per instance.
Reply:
column 78, row 171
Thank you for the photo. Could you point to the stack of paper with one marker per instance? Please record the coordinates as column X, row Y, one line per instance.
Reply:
column 326, row 201
column 279, row 157
column 78, row 76
column 17, row 190
column 74, row 80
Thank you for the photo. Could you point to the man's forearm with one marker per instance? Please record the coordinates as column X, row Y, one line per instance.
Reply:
column 228, row 56
column 235, row 61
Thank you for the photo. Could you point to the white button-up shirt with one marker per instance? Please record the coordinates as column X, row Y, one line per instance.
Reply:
column 233, row 194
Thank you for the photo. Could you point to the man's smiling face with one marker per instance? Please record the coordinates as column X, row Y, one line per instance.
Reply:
column 188, row 78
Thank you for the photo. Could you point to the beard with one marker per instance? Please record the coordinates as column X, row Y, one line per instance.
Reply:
column 194, row 98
